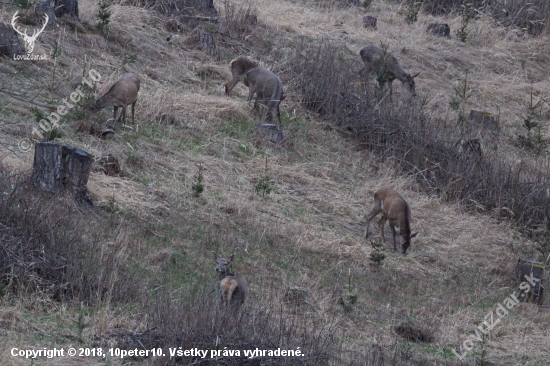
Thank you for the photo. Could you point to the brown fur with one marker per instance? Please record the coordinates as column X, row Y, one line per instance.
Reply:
column 239, row 67
column 233, row 289
column 172, row 25
column 395, row 209
column 123, row 92
column 375, row 59
column 262, row 82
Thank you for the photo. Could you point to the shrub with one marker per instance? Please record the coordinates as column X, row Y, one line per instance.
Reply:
column 533, row 16
column 49, row 246
column 420, row 144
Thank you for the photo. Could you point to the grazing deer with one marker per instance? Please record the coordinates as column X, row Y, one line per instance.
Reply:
column 386, row 65
column 232, row 288
column 29, row 40
column 123, row 92
column 262, row 82
column 395, row 209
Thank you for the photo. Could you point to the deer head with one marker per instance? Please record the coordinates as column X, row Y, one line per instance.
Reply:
column 29, row 40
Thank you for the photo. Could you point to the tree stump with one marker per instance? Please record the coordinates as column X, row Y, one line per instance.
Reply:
column 45, row 7
column 57, row 168
column 369, row 22
column 485, row 119
column 271, row 132
column 296, row 295
column 205, row 7
column 526, row 271
column 439, row 29
column 207, row 43
column 69, row 7
column 9, row 43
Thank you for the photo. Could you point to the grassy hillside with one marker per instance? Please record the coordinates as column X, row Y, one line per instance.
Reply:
column 136, row 270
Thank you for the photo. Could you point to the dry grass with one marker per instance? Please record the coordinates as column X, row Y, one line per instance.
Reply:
column 308, row 232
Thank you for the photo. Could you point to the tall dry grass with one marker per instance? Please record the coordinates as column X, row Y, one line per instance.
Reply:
column 435, row 151
column 51, row 246
column 533, row 16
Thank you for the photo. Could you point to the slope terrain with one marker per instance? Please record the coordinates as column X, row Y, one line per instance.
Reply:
column 292, row 213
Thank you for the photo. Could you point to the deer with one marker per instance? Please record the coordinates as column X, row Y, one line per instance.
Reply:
column 395, row 209
column 260, row 81
column 232, row 289
column 375, row 58
column 29, row 40
column 123, row 92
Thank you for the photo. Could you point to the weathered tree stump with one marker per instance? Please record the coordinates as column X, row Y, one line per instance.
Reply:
column 207, row 43
column 271, row 132
column 530, row 272
column 439, row 29
column 205, row 7
column 369, row 22
column 251, row 19
column 9, row 43
column 485, row 119
column 69, row 7
column 296, row 295
column 57, row 168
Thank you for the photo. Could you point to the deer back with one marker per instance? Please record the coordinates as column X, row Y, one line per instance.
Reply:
column 266, row 83
column 395, row 208
column 121, row 93
column 375, row 59
column 240, row 288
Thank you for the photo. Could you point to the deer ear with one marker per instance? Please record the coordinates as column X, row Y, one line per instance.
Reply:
column 232, row 258
column 412, row 77
column 215, row 255
column 413, row 235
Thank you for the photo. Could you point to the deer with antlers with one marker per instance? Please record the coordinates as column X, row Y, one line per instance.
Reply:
column 29, row 40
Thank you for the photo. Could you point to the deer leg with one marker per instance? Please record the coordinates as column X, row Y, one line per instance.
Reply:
column 232, row 289
column 133, row 108
column 124, row 115
column 230, row 85
column 382, row 223
column 390, row 87
column 116, row 110
column 392, row 226
column 251, row 91
column 375, row 211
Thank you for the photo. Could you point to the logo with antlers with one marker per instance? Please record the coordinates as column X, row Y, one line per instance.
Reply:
column 29, row 40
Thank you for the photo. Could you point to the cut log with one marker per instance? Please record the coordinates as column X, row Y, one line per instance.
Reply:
column 207, row 43
column 68, row 7
column 439, row 29
column 9, row 43
column 271, row 132
column 47, row 170
column 484, row 119
column 77, row 164
column 370, row 22
column 57, row 168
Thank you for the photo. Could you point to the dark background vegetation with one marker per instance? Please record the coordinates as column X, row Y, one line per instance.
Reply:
column 75, row 254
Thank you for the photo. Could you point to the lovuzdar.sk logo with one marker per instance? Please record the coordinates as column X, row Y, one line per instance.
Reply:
column 29, row 40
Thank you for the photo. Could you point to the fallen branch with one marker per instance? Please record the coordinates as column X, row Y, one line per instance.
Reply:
column 15, row 96
column 198, row 17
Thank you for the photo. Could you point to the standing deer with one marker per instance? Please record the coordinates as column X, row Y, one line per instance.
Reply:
column 262, row 82
column 29, row 40
column 387, row 66
column 232, row 288
column 395, row 209
column 123, row 92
